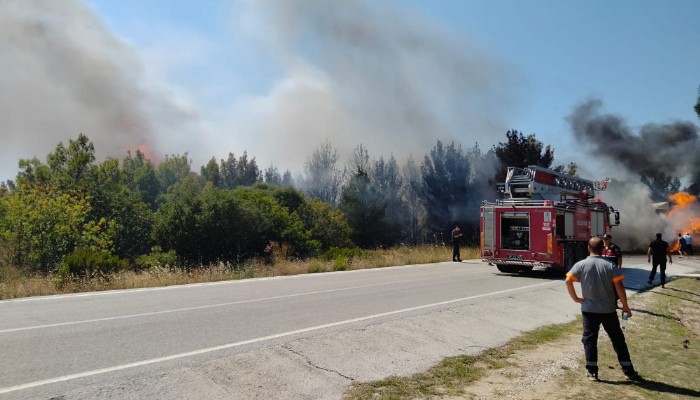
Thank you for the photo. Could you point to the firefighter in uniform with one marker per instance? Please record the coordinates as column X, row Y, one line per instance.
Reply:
column 456, row 235
column 611, row 251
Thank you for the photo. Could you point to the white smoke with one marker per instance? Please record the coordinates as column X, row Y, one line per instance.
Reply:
column 354, row 74
column 351, row 72
column 63, row 73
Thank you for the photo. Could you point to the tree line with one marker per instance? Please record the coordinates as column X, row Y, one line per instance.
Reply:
column 73, row 215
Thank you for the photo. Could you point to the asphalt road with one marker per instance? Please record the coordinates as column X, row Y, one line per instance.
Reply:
column 299, row 337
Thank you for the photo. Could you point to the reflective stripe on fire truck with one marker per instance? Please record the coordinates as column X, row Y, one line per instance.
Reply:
column 549, row 243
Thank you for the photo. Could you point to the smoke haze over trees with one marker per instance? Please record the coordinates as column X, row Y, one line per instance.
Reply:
column 346, row 71
column 73, row 207
column 409, row 91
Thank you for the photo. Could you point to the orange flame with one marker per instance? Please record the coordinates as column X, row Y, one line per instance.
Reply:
column 685, row 214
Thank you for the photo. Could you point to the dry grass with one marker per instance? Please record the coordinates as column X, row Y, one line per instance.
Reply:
column 15, row 284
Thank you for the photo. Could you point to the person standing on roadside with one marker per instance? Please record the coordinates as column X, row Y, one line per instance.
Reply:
column 612, row 252
column 456, row 236
column 689, row 243
column 656, row 255
column 600, row 280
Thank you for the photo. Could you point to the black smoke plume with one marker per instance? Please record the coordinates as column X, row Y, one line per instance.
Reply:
column 669, row 148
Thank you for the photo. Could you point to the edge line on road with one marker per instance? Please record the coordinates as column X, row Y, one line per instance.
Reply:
column 231, row 303
column 86, row 374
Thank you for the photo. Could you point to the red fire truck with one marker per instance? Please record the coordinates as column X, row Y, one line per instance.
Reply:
column 544, row 220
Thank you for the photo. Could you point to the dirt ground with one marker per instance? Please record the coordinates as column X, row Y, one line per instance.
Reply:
column 556, row 369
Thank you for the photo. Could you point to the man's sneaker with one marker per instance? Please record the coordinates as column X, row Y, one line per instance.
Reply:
column 592, row 376
column 632, row 376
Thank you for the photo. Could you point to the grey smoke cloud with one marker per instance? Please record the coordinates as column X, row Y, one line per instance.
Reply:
column 63, row 73
column 377, row 76
column 352, row 72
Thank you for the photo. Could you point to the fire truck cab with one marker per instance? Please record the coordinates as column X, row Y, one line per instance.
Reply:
column 545, row 220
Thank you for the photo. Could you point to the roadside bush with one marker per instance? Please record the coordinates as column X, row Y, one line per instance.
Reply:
column 347, row 253
column 341, row 264
column 85, row 262
column 315, row 267
column 342, row 258
column 157, row 259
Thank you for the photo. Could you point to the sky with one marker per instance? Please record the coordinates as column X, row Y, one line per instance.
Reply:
column 277, row 78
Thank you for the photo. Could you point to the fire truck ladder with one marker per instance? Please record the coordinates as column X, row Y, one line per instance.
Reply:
column 539, row 183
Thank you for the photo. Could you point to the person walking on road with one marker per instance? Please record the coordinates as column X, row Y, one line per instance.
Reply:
column 656, row 255
column 456, row 236
column 600, row 280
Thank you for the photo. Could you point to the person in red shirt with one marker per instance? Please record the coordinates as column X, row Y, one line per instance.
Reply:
column 611, row 251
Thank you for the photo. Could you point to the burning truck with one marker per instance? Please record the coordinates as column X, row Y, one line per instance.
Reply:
column 544, row 220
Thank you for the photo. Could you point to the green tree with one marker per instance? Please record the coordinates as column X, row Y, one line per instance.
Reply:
column 33, row 173
column 176, row 225
column 72, row 166
column 139, row 174
column 124, row 207
column 44, row 224
column 239, row 172
column 446, row 175
column 221, row 225
column 211, row 174
column 327, row 226
column 365, row 210
column 521, row 151
column 175, row 169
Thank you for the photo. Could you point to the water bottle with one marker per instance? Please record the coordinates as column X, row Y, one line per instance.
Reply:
column 623, row 320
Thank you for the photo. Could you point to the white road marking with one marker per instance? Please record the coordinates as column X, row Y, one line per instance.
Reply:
column 87, row 321
column 64, row 378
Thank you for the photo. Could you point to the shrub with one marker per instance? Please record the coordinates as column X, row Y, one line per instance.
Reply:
column 347, row 253
column 315, row 267
column 341, row 264
column 157, row 259
column 85, row 262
